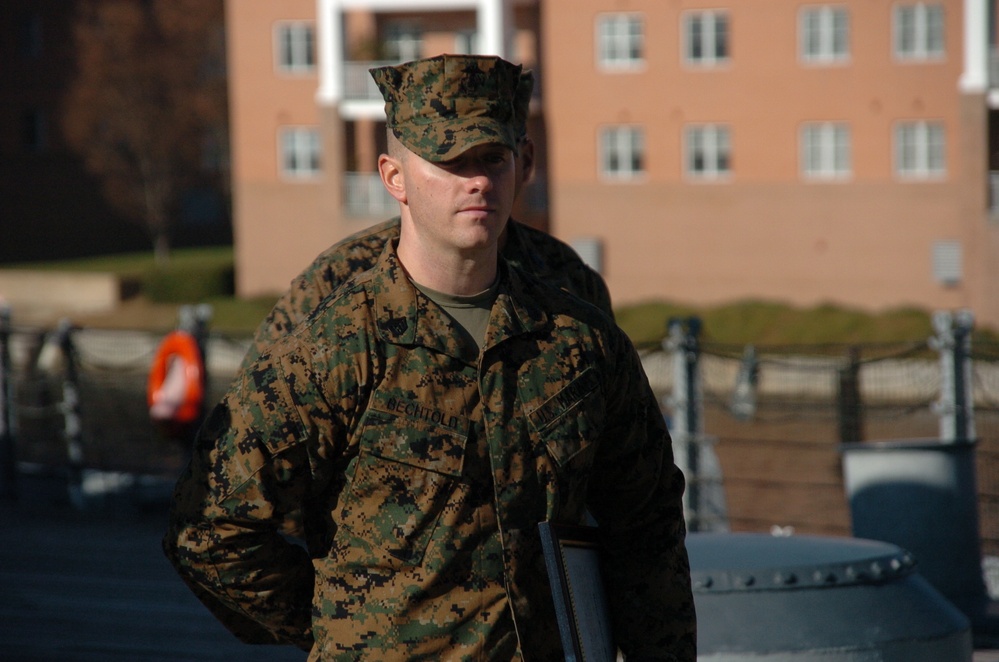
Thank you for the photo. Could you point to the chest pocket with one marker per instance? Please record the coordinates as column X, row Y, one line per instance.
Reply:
column 570, row 421
column 404, row 475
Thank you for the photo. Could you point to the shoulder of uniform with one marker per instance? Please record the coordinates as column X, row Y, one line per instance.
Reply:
column 549, row 252
column 547, row 256
column 347, row 294
column 333, row 314
column 532, row 235
column 379, row 232
column 350, row 255
column 556, row 299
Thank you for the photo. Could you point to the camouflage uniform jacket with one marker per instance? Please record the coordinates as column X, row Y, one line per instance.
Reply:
column 535, row 251
column 402, row 444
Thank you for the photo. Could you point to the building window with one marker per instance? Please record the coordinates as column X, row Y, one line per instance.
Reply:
column 300, row 152
column 825, row 151
column 919, row 150
column 403, row 42
column 620, row 41
column 296, row 47
column 622, row 152
column 706, row 38
column 948, row 259
column 919, row 31
column 824, row 34
column 708, row 151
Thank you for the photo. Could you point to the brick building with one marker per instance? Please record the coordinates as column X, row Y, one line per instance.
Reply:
column 691, row 151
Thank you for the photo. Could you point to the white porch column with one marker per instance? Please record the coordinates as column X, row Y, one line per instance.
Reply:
column 494, row 23
column 330, row 51
column 974, row 78
column 495, row 26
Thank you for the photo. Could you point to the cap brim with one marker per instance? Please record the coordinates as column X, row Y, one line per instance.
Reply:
column 443, row 141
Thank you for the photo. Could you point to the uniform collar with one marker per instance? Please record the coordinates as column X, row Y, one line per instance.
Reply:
column 517, row 251
column 405, row 316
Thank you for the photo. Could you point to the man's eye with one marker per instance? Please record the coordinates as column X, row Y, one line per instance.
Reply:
column 453, row 164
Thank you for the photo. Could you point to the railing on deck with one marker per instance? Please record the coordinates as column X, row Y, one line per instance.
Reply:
column 774, row 417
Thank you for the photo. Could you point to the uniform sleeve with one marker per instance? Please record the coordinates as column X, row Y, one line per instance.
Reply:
column 551, row 259
column 635, row 496
column 249, row 469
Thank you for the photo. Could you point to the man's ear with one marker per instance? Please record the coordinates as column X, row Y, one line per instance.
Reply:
column 390, row 171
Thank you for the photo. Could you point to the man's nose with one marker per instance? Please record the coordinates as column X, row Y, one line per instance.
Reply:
column 479, row 177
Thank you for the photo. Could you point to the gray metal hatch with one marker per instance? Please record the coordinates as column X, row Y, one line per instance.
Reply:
column 778, row 599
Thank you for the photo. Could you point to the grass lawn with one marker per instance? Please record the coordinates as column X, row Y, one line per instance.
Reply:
column 769, row 323
column 204, row 275
column 154, row 294
column 138, row 265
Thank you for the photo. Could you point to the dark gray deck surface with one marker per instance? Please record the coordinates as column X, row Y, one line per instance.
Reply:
column 94, row 586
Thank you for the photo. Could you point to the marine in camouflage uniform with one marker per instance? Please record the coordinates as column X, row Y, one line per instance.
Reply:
column 549, row 258
column 424, row 466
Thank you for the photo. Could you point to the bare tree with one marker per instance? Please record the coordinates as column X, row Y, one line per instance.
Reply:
column 148, row 104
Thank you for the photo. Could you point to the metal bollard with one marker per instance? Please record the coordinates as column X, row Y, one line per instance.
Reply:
column 8, row 456
column 72, row 420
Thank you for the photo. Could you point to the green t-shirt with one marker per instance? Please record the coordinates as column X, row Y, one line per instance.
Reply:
column 470, row 312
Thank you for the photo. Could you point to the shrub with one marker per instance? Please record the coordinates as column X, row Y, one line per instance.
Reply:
column 188, row 283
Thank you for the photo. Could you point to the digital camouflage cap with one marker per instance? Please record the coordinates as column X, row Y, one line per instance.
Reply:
column 442, row 106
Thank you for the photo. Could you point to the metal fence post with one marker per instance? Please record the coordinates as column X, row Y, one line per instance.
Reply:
column 72, row 420
column 8, row 456
column 964, row 402
column 195, row 320
column 686, row 404
column 848, row 399
column 956, row 404
column 743, row 401
column 943, row 343
column 202, row 318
